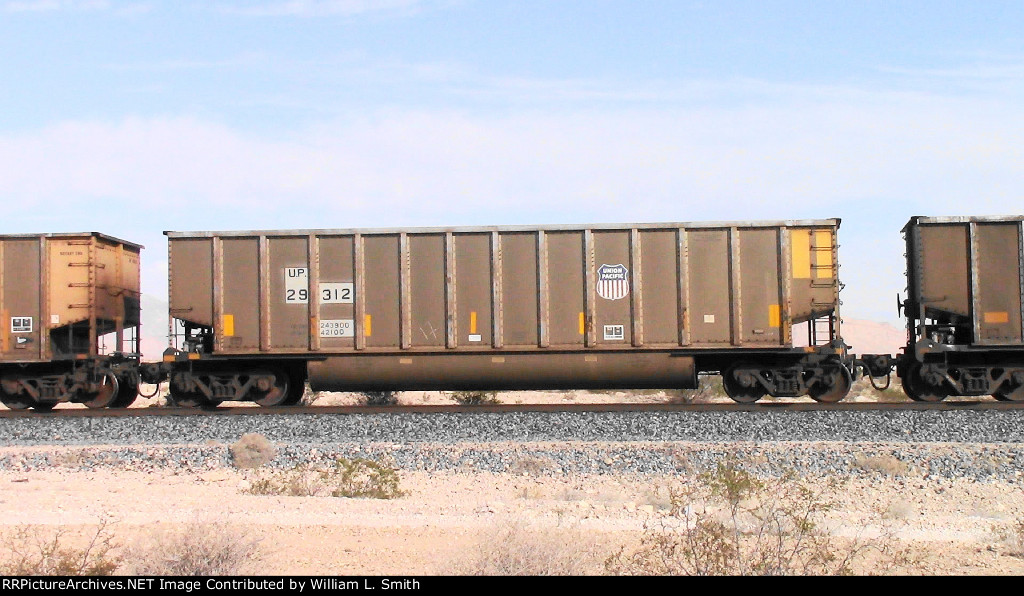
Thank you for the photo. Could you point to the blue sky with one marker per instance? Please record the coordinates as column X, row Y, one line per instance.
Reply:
column 134, row 117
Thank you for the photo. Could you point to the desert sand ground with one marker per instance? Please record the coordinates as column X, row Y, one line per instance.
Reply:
column 953, row 527
column 444, row 519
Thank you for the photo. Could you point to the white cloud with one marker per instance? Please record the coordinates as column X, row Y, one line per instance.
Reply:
column 52, row 5
column 935, row 154
column 872, row 160
column 120, row 8
column 307, row 8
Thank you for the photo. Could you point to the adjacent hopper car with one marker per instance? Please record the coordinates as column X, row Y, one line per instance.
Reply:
column 964, row 313
column 258, row 315
column 70, row 310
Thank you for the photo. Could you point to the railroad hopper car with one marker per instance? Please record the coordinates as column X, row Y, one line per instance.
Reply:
column 256, row 314
column 964, row 309
column 69, row 320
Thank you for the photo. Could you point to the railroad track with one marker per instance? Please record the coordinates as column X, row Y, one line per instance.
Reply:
column 247, row 410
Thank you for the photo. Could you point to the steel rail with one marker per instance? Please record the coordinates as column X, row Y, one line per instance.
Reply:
column 767, row 406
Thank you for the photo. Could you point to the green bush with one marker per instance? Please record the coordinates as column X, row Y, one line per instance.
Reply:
column 363, row 478
column 357, row 478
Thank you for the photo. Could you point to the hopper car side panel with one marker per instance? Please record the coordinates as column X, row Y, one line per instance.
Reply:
column 646, row 305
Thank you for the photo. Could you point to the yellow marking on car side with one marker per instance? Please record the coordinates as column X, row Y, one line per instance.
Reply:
column 997, row 317
column 800, row 247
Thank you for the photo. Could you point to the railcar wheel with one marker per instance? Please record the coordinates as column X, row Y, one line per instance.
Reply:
column 295, row 393
column 127, row 392
column 918, row 389
column 740, row 384
column 16, row 401
column 1015, row 394
column 280, row 393
column 830, row 394
column 105, row 396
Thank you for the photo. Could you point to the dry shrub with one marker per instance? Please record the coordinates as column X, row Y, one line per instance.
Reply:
column 730, row 522
column 891, row 393
column 530, row 466
column 474, row 398
column 363, row 478
column 197, row 549
column 709, row 388
column 265, row 487
column 1011, row 539
column 33, row 550
column 355, row 478
column 381, row 398
column 309, row 397
column 887, row 465
column 517, row 549
column 252, row 451
column 300, row 481
column 898, row 510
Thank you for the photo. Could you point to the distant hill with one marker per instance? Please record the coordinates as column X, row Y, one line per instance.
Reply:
column 154, row 327
column 869, row 337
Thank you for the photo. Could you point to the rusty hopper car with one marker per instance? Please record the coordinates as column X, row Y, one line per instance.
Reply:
column 69, row 320
column 612, row 306
column 965, row 279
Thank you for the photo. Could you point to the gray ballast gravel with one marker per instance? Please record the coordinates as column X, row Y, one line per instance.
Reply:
column 945, row 443
column 913, row 426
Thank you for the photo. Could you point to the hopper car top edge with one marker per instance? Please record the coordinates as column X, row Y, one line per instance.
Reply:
column 108, row 237
column 955, row 219
column 698, row 225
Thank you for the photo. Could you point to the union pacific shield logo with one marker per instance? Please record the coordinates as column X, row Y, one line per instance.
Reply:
column 612, row 281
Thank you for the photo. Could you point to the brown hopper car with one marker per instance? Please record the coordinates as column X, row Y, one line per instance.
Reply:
column 257, row 313
column 964, row 309
column 69, row 320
